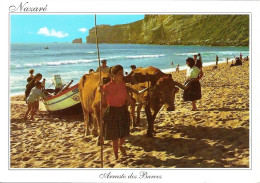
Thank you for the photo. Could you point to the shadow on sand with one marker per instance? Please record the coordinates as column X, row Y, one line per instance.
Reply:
column 199, row 147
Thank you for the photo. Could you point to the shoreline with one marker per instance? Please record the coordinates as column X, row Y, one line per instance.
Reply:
column 167, row 71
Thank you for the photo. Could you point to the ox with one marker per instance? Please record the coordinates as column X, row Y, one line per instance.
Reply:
column 160, row 89
column 90, row 100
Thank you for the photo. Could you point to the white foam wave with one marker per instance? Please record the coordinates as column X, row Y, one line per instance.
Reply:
column 33, row 65
column 183, row 54
column 144, row 56
column 169, row 70
column 67, row 62
column 114, row 57
column 18, row 66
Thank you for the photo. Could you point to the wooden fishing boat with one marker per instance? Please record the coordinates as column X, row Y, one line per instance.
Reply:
column 66, row 102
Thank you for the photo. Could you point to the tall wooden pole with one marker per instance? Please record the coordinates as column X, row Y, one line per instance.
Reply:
column 100, row 115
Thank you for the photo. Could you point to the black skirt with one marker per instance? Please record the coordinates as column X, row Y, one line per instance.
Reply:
column 116, row 123
column 193, row 92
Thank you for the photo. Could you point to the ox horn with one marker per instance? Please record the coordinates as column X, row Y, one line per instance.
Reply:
column 143, row 90
column 179, row 85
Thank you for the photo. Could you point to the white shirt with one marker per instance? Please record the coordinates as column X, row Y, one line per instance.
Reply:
column 35, row 95
column 193, row 72
column 103, row 69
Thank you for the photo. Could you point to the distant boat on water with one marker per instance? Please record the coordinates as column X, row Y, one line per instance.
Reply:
column 46, row 47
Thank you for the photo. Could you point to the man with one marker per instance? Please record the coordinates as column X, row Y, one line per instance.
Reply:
column 216, row 60
column 104, row 67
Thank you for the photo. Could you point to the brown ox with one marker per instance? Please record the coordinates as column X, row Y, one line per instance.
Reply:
column 90, row 100
column 161, row 90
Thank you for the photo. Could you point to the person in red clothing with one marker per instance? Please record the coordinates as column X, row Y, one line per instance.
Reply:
column 116, row 116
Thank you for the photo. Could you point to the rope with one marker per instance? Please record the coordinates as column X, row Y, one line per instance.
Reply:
column 100, row 115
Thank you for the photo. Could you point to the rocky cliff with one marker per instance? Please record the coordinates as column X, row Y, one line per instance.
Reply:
column 79, row 40
column 229, row 30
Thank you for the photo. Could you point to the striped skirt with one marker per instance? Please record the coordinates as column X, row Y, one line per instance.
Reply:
column 116, row 123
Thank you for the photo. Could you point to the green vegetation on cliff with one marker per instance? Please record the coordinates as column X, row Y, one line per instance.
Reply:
column 222, row 30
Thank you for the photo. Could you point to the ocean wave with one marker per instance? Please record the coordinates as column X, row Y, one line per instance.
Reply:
column 33, row 65
column 91, row 52
column 144, row 56
column 67, row 62
column 68, row 53
column 18, row 66
column 24, row 66
column 183, row 54
column 214, row 53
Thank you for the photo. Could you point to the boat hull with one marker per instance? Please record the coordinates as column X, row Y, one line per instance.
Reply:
column 67, row 102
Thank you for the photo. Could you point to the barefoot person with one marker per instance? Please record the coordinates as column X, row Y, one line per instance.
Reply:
column 116, row 115
column 192, row 91
column 33, row 100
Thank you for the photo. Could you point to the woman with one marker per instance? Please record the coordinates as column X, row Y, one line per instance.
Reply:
column 116, row 116
column 32, row 83
column 192, row 91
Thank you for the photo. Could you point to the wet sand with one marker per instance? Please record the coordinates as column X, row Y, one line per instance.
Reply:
column 215, row 136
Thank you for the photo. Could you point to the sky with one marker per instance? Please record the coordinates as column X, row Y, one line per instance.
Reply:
column 60, row 28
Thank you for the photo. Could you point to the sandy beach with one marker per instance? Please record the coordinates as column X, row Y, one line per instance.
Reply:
column 215, row 136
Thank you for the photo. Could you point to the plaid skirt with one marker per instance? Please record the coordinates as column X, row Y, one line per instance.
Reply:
column 193, row 92
column 116, row 123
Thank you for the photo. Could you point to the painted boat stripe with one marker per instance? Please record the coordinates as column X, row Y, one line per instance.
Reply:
column 62, row 93
column 61, row 99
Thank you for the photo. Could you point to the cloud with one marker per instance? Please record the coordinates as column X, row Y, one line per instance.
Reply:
column 82, row 30
column 53, row 33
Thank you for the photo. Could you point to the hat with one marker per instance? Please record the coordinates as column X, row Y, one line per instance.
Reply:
column 104, row 61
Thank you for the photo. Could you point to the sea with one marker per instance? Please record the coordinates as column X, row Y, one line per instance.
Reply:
column 71, row 61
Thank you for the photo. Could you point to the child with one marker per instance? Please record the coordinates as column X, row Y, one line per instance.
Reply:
column 33, row 100
column 116, row 115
